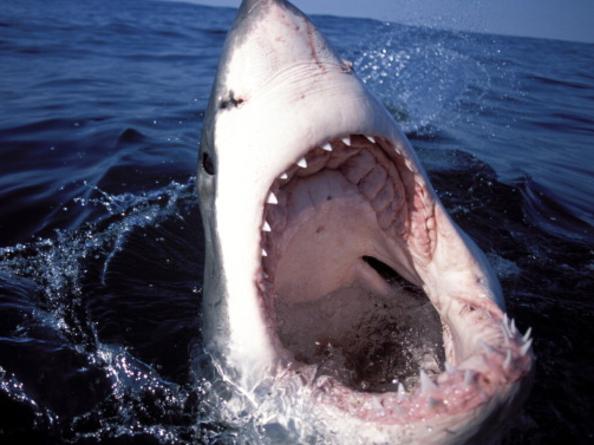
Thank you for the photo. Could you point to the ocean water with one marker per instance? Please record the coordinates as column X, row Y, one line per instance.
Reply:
column 101, row 256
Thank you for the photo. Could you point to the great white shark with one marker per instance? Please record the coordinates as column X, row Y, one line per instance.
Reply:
column 308, row 191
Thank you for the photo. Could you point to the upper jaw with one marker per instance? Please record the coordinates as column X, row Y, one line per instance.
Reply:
column 370, row 167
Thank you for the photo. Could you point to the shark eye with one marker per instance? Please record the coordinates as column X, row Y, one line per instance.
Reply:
column 207, row 164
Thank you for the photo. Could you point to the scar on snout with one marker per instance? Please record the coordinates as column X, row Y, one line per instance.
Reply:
column 346, row 66
column 231, row 101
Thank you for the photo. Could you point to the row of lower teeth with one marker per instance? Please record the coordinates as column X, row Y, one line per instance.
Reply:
column 429, row 389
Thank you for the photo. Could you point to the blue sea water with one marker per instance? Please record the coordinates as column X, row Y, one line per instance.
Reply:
column 101, row 256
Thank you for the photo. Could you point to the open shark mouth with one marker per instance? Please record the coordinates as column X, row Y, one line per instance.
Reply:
column 349, row 232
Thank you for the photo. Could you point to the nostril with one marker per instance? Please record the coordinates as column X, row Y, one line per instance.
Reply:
column 207, row 164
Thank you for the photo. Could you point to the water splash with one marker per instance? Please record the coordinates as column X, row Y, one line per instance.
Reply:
column 420, row 80
column 138, row 401
column 58, row 264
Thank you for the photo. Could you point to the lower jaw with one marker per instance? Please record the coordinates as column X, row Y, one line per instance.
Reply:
column 350, row 362
column 434, row 397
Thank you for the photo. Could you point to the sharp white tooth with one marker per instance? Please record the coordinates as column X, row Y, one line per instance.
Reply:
column 347, row 141
column 505, row 335
column 408, row 164
column 524, row 350
column 272, row 199
column 302, row 163
column 507, row 321
column 449, row 368
column 468, row 376
column 505, row 324
column 507, row 361
column 327, row 146
column 513, row 328
column 427, row 384
column 371, row 139
column 266, row 227
column 527, row 335
column 284, row 176
column 401, row 391
column 264, row 253
column 376, row 405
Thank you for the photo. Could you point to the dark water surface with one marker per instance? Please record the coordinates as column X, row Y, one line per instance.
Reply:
column 100, row 237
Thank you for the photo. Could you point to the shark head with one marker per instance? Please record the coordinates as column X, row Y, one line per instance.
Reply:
column 314, row 205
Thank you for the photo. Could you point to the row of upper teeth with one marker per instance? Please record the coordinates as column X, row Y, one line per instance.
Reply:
column 272, row 198
column 302, row 163
column 327, row 147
